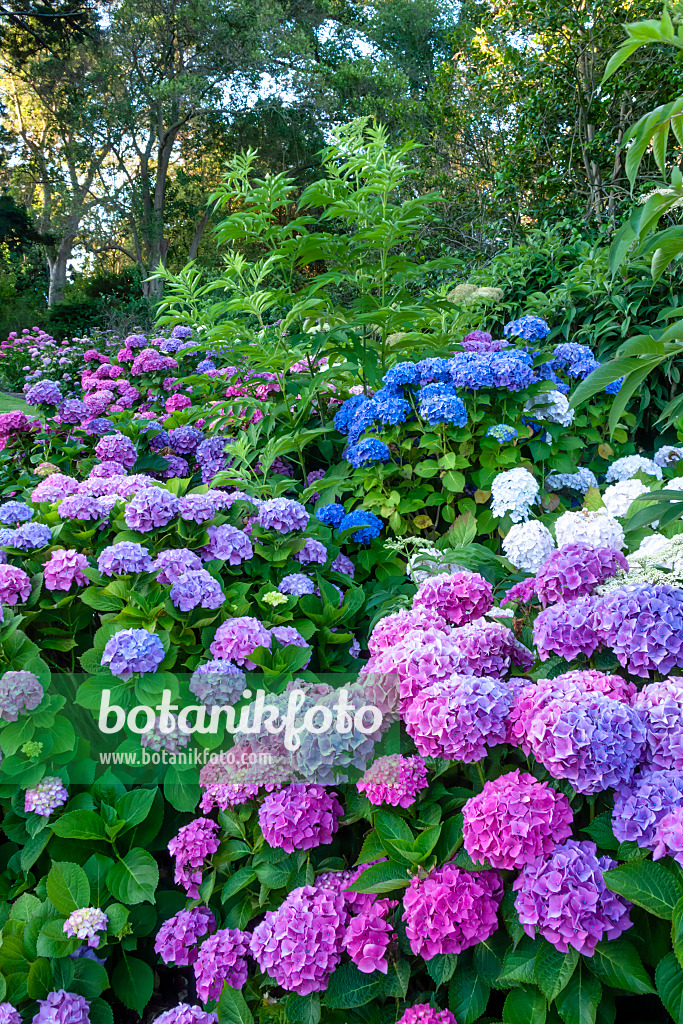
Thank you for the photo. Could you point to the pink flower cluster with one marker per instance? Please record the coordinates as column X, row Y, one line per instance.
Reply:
column 300, row 817
column 451, row 910
column 458, row 598
column 191, row 847
column 395, row 780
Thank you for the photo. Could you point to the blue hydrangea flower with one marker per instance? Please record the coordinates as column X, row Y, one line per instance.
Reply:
column 367, row 452
column 546, row 372
column 583, row 369
column 502, row 433
column 570, row 352
column 615, row 386
column 472, row 370
column 530, row 327
column 132, row 650
column 45, row 392
column 331, row 515
column 401, row 374
column 15, row 512
column 370, row 525
column 433, row 369
column 158, row 437
column 364, row 417
column 512, row 370
column 31, row 536
column 349, row 408
column 205, row 366
column 440, row 404
column 389, row 407
column 99, row 426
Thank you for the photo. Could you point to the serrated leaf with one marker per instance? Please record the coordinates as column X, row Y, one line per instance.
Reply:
column 578, row 1001
column 648, row 885
column 232, row 1007
column 468, row 995
column 133, row 982
column 553, row 969
column 134, row 878
column 617, row 963
column 349, row 987
column 68, row 888
column 669, row 982
column 524, row 1006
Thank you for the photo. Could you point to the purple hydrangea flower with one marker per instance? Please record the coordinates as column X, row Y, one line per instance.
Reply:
column 193, row 844
column 117, row 447
column 575, row 570
column 14, row 585
column 222, row 958
column 124, row 557
column 300, row 944
column 368, row 936
column 669, row 836
column 8, row 1015
column 568, row 629
column 30, row 536
column 151, row 509
column 296, row 584
column 132, row 650
column 72, row 410
column 282, row 515
column 184, row 440
column 196, row 508
column 344, row 565
column 300, row 817
column 85, row 924
column 64, row 568
column 394, row 780
column 46, row 797
column 218, row 683
column 643, row 625
column 54, row 487
column 640, row 805
column 311, row 553
column 20, row 691
column 458, row 598
column 237, row 638
column 488, row 649
column 177, row 939
column 185, row 1014
column 62, row 1007
column 423, row 1013
column 15, row 512
column 83, row 507
column 458, row 718
column 45, row 392
column 566, row 898
column 228, row 544
column 171, row 564
column 451, row 910
column 196, row 588
column 175, row 467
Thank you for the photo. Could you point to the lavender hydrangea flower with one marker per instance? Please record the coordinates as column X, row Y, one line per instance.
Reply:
column 45, row 392
column 184, row 440
column 191, row 847
column 643, row 625
column 228, row 544
column 300, row 944
column 8, row 1015
column 568, row 629
column 46, row 797
column 64, row 568
column 132, row 650
column 85, row 924
column 368, row 936
column 177, row 939
column 196, row 589
column 124, row 557
column 282, row 515
column 218, row 683
column 458, row 718
column 14, row 585
column 487, row 649
column 31, row 536
column 451, row 910
column 668, row 841
column 237, row 638
column 83, row 507
column 169, row 565
column 296, row 584
column 73, row 411
column 196, row 508
column 20, row 692
column 566, row 898
column 15, row 512
column 641, row 804
column 117, row 447
column 313, row 552
column 575, row 570
column 344, row 565
column 54, row 487
column 185, row 1014
column 222, row 958
column 299, row 817
column 62, row 1007
column 151, row 509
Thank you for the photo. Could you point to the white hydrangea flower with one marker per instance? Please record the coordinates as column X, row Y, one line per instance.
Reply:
column 641, row 573
column 599, row 529
column 552, row 406
column 618, row 497
column 674, row 485
column 527, row 545
column 668, row 455
column 580, row 481
column 514, row 491
column 650, row 548
column 627, row 467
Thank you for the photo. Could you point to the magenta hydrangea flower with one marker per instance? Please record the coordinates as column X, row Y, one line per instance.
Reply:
column 46, row 797
column 488, row 649
column 171, row 564
column 458, row 598
column 62, row 1007
column 588, row 739
column 458, row 718
column 424, row 657
column 393, row 629
column 237, row 638
column 568, row 629
column 85, row 924
column 196, row 589
column 151, row 509
column 193, row 844
column 641, row 804
column 124, row 557
column 643, row 625
column 222, row 958
column 299, row 944
column 451, row 910
column 54, row 488
column 368, row 936
column 132, row 650
column 177, row 939
column 196, row 508
column 668, row 838
column 423, row 1013
column 566, row 898
column 312, row 553
column 300, row 817
column 228, row 544
column 118, row 448
column 575, row 570
column 661, row 704
column 20, row 691
column 394, row 779
column 185, row 1014
column 282, row 515
column 515, row 819
column 64, row 568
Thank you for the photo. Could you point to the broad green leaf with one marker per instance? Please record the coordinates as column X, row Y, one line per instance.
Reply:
column 232, row 1007
column 133, row 982
column 134, row 878
column 617, row 964
column 519, row 964
column 52, row 941
column 349, row 987
column 468, row 995
column 68, row 888
column 648, row 885
column 669, row 981
column 303, row 1009
column 554, row 969
column 524, row 1006
column 578, row 1001
column 381, row 878
column 85, row 825
column 441, row 967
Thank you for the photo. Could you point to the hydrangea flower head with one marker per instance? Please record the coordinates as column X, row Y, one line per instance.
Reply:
column 185, row 1014
column 575, row 570
column 367, row 452
column 45, row 392
column 331, row 515
column 451, row 910
column 14, row 585
column 117, row 447
column 531, row 328
column 150, row 509
column 619, row 497
column 568, row 629
column 627, row 467
column 85, row 924
column 124, row 557
column 457, row 598
column 300, row 817
column 20, row 692
column 366, row 525
column 218, row 683
column 82, row 506
column 237, row 638
column 566, row 898
column 177, row 939
column 46, row 797
column 513, row 492
column 197, row 588
column 30, row 536
column 222, row 958
column 191, row 847
column 368, row 936
column 459, row 717
column 599, row 529
column 282, row 515
column 313, row 552
column 15, row 512
column 502, row 433
column 64, row 568
column 423, row 1013
column 196, row 508
column 54, row 487
column 62, row 1007
column 394, row 780
column 527, row 545
column 132, row 650
column 640, row 804
column 439, row 403
column 297, row 585
column 643, row 625
column 8, row 1015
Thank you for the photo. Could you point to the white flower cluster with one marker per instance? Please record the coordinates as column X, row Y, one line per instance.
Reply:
column 551, row 406
column 649, row 549
column 580, row 481
column 599, row 529
column 618, row 497
column 514, row 492
column 527, row 545
column 668, row 455
column 642, row 573
column 627, row 467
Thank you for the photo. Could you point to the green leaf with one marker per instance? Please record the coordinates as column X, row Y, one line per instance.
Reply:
column 519, row 965
column 578, row 1001
column 39, row 981
column 381, row 878
column 100, row 1012
column 467, row 994
column 133, row 982
column 524, row 1006
column 669, row 981
column 86, row 825
column 52, row 941
column 240, row 880
column 441, row 968
column 303, row 1009
column 90, row 978
column 617, row 963
column 677, row 931
column 134, row 807
column 68, row 888
column 649, row 885
column 232, row 1007
column 348, row 987
column 134, row 878
column 554, row 969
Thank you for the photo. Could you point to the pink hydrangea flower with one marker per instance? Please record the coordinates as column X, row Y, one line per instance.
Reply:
column 669, row 836
column 459, row 598
column 394, row 780
column 451, row 910
column 237, row 638
column 191, row 847
column 300, row 817
column 459, row 718
column 423, row 1013
column 368, row 936
column 393, row 629
column 222, row 958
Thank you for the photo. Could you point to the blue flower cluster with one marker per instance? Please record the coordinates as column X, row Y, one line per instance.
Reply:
column 331, row 515
column 369, row 525
column 439, row 403
column 532, row 328
column 502, row 433
column 15, row 512
column 367, row 452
